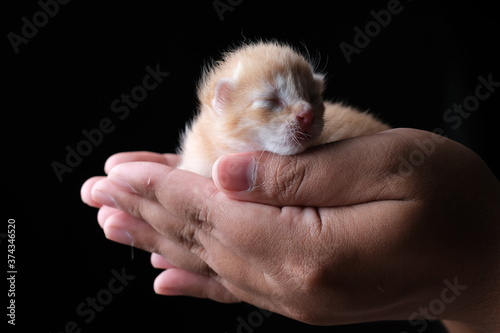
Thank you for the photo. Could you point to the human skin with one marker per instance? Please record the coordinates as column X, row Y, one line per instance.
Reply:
column 355, row 231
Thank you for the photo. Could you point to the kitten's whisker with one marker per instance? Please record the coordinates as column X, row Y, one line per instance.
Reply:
column 270, row 95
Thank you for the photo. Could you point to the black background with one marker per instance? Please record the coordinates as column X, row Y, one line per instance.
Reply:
column 65, row 78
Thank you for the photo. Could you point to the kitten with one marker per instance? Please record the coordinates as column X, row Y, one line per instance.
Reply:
column 265, row 97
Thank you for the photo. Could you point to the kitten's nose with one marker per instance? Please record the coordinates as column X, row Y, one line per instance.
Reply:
column 305, row 118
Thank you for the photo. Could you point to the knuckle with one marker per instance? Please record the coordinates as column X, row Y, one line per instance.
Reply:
column 198, row 219
column 136, row 209
column 286, row 178
column 299, row 307
column 187, row 234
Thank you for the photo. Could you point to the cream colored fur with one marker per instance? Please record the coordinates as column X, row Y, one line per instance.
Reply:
column 256, row 99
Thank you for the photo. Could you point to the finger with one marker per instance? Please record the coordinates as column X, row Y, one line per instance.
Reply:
column 347, row 172
column 197, row 217
column 159, row 195
column 123, row 228
column 106, row 212
column 176, row 281
column 221, row 232
column 158, row 261
column 126, row 229
column 167, row 159
column 85, row 192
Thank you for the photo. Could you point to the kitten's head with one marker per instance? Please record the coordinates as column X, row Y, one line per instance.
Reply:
column 267, row 97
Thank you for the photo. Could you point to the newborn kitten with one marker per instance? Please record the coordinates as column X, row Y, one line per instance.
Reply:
column 265, row 97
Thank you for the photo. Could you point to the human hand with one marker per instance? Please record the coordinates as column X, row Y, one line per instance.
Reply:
column 344, row 233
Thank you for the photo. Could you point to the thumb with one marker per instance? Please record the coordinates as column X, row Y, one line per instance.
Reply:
column 347, row 172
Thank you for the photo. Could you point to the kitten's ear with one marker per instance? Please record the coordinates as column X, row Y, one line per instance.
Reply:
column 222, row 95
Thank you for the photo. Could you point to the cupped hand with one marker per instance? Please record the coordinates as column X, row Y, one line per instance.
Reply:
column 369, row 228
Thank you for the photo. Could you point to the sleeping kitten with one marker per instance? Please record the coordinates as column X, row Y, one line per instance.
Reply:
column 265, row 97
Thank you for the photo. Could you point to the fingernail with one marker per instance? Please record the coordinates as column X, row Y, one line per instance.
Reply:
column 103, row 198
column 119, row 236
column 235, row 172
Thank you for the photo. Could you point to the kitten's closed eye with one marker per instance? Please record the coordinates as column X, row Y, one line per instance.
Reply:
column 272, row 104
column 267, row 99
